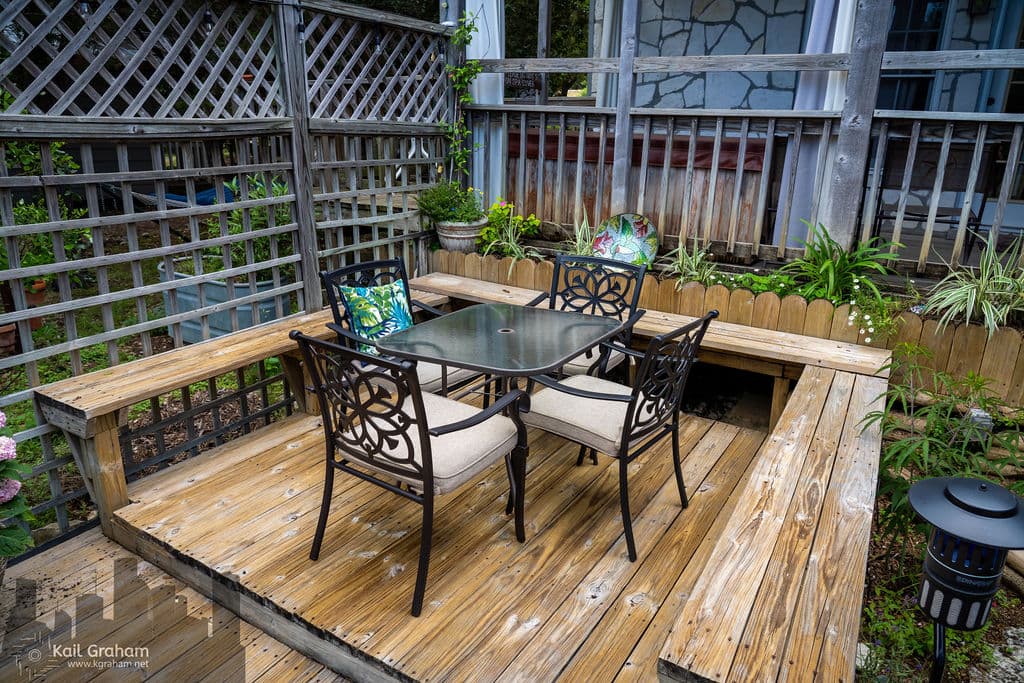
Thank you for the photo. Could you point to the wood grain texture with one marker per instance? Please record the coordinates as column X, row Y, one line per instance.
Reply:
column 707, row 633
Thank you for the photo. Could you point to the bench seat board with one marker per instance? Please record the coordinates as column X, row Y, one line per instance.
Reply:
column 729, row 338
column 782, row 589
column 105, row 391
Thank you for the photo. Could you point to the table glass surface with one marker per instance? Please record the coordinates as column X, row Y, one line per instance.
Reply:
column 502, row 339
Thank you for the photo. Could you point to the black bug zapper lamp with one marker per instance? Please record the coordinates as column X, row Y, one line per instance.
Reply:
column 974, row 524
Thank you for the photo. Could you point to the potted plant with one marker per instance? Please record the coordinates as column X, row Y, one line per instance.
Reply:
column 457, row 213
column 237, row 254
column 14, row 540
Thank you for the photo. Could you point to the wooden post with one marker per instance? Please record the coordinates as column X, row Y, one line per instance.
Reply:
column 102, row 459
column 624, row 102
column 870, row 29
column 543, row 40
column 291, row 35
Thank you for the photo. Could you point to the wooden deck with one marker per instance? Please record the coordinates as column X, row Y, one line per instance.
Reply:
column 91, row 591
column 566, row 604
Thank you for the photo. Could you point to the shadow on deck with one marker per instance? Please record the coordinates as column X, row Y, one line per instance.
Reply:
column 239, row 521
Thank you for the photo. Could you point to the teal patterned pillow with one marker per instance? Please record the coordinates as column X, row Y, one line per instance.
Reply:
column 374, row 312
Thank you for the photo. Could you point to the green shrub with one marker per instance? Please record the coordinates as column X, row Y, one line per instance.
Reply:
column 503, row 235
column 828, row 271
column 992, row 293
column 926, row 434
column 449, row 202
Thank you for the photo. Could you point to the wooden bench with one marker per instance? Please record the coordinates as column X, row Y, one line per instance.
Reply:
column 90, row 408
column 781, row 593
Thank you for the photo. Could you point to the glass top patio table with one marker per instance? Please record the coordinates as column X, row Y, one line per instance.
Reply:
column 502, row 339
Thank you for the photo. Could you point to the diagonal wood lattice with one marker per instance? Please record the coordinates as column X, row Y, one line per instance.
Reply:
column 366, row 71
column 139, row 58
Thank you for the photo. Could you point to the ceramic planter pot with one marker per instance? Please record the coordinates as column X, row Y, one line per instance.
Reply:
column 8, row 339
column 459, row 236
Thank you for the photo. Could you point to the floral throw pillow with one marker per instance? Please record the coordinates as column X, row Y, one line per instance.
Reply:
column 374, row 312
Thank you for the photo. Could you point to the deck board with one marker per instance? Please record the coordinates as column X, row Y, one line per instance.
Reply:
column 492, row 604
column 75, row 602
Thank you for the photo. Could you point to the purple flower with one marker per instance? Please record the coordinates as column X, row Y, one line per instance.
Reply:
column 3, row 419
column 8, row 448
column 9, row 489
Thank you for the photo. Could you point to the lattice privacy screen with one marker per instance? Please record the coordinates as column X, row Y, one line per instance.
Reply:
column 139, row 58
column 360, row 70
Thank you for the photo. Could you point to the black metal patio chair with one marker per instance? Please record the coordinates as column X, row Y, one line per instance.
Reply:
column 623, row 421
column 596, row 286
column 357, row 310
column 382, row 427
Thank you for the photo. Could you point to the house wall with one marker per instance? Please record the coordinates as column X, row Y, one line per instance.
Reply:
column 720, row 27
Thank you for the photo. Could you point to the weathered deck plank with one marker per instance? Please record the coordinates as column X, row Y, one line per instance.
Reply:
column 149, row 609
column 489, row 599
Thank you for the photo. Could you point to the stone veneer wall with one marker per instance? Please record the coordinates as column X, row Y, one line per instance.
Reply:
column 718, row 27
column 960, row 88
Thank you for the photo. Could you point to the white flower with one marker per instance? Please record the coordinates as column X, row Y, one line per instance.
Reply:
column 871, row 329
column 856, row 286
column 867, row 340
column 867, row 317
column 849, row 323
column 862, row 330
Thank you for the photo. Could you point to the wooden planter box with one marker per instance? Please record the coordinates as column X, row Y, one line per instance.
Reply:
column 956, row 349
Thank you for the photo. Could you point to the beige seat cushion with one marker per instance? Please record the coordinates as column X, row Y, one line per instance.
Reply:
column 458, row 456
column 588, row 421
column 430, row 376
column 581, row 364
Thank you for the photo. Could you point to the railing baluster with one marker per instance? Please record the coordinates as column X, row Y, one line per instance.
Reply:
column 737, row 193
column 1012, row 159
column 691, row 155
column 968, row 206
column 933, row 203
column 645, row 155
column 577, row 201
column 790, row 189
column 560, row 171
column 709, row 208
column 762, row 191
column 871, row 203
column 908, row 171
column 666, row 170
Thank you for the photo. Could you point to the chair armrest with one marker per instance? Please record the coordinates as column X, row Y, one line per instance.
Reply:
column 344, row 334
column 582, row 393
column 516, row 397
column 616, row 345
column 427, row 308
column 537, row 299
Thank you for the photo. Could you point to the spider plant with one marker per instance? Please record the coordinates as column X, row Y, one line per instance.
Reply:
column 828, row 271
column 992, row 292
column 582, row 241
column 695, row 266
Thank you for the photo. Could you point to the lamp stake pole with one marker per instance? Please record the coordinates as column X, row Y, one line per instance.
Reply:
column 939, row 653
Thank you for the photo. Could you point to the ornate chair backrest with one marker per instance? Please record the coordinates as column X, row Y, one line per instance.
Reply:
column 366, row 274
column 597, row 286
column 661, row 378
column 372, row 409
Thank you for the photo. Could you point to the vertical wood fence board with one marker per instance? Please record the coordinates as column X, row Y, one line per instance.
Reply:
column 999, row 360
column 691, row 299
column 966, row 350
column 741, row 306
column 818, row 322
column 766, row 311
column 792, row 313
column 717, row 298
column 842, row 330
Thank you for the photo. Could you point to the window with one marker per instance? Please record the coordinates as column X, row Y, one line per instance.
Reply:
column 916, row 25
